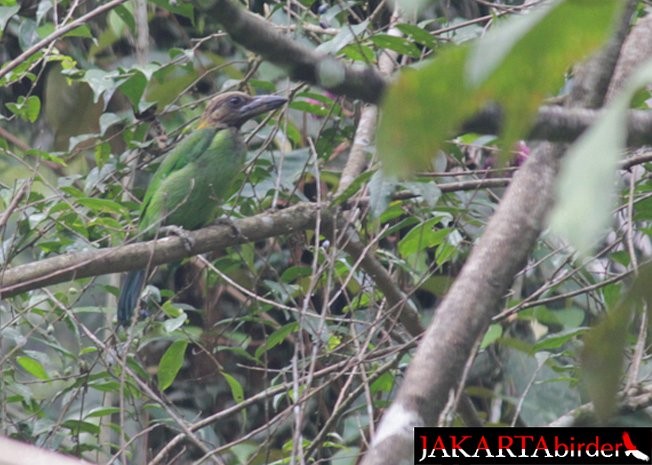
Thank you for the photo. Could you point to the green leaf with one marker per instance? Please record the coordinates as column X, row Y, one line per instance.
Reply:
column 170, row 364
column 428, row 191
column 384, row 383
column 353, row 187
column 493, row 50
column 6, row 12
column 604, row 348
column 22, row 70
column 45, row 30
column 424, row 106
column 586, row 191
column 236, row 388
column 493, row 333
column 569, row 29
column 294, row 273
column 33, row 367
column 567, row 317
column 103, row 205
column 417, row 34
column 557, row 340
column 102, row 154
column 27, row 33
column 381, row 187
column 276, row 338
column 26, row 108
column 641, row 289
column 344, row 37
column 107, row 120
column 176, row 316
column 42, row 10
column 100, row 82
column 309, row 107
column 398, row 44
column 359, row 52
column 423, row 236
column 102, row 412
column 643, row 209
column 81, row 31
column 77, row 427
column 334, row 341
column 602, row 359
column 134, row 86
column 49, row 156
column 178, row 8
column 124, row 13
column 32, row 108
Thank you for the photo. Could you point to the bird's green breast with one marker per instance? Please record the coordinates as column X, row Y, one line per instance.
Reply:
column 190, row 184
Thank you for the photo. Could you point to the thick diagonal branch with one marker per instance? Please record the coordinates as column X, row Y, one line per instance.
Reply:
column 142, row 254
column 436, row 372
column 302, row 63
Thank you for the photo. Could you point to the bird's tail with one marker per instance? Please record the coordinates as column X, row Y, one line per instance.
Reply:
column 129, row 295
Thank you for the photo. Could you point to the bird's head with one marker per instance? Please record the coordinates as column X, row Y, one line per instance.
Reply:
column 233, row 109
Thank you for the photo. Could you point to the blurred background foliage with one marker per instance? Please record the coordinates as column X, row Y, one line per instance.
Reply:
column 241, row 338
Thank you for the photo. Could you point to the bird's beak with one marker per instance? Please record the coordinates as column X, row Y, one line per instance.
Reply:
column 260, row 104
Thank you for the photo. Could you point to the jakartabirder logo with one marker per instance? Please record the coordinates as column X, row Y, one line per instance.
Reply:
column 536, row 446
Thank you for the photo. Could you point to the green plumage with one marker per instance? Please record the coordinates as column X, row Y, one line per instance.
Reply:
column 190, row 184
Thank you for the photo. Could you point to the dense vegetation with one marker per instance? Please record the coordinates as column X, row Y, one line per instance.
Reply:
column 412, row 182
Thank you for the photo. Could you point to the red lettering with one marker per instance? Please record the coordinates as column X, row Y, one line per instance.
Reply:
column 439, row 444
column 524, row 440
column 617, row 447
column 592, row 449
column 482, row 444
column 607, row 450
column 524, row 445
column 505, row 442
column 541, row 444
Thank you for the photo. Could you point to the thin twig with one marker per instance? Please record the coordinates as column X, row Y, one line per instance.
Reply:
column 56, row 34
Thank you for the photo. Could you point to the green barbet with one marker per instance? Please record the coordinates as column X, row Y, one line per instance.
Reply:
column 190, row 184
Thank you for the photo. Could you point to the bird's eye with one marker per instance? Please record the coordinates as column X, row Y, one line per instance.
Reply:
column 235, row 101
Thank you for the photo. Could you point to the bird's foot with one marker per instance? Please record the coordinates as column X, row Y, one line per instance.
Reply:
column 228, row 222
column 188, row 242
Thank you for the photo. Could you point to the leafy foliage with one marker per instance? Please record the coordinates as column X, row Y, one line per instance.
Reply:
column 288, row 347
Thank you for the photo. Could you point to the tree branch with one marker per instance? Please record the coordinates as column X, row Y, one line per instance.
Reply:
column 18, row 453
column 437, row 369
column 140, row 255
column 555, row 124
column 301, row 63
column 559, row 124
column 57, row 34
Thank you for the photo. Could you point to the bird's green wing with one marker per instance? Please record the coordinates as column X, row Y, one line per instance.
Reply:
column 186, row 151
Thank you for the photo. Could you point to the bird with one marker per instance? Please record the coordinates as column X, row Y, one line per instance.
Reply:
column 189, row 185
